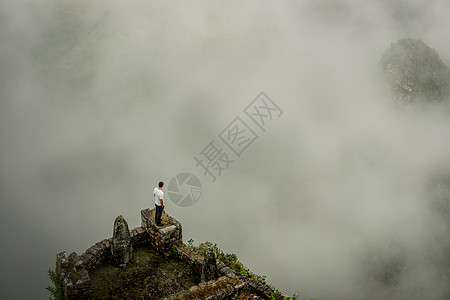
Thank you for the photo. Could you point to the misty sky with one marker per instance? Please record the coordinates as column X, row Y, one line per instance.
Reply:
column 98, row 102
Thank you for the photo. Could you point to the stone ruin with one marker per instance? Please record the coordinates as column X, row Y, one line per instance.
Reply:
column 73, row 269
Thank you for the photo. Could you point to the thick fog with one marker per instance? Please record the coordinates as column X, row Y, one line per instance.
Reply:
column 99, row 101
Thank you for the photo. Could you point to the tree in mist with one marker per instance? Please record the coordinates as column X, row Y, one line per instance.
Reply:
column 416, row 76
column 415, row 73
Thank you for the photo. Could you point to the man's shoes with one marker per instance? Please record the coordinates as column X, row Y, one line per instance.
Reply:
column 159, row 225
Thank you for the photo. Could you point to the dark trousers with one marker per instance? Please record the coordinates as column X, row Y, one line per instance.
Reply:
column 158, row 214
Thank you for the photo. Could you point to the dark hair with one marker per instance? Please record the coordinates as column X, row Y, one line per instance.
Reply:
column 161, row 184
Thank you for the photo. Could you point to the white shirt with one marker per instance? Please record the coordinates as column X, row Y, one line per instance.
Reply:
column 158, row 195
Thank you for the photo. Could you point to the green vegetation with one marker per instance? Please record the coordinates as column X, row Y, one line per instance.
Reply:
column 174, row 252
column 56, row 291
column 273, row 296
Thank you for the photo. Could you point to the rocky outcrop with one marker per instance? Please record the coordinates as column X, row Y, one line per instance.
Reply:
column 209, row 270
column 121, row 248
column 218, row 280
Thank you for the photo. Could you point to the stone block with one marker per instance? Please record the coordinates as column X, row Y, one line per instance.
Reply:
column 121, row 248
column 168, row 231
column 73, row 257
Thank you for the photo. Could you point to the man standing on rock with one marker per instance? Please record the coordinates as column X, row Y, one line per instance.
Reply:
column 159, row 203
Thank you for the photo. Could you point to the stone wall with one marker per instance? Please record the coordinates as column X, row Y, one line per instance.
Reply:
column 73, row 270
column 161, row 238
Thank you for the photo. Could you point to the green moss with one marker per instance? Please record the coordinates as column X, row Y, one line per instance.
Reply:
column 174, row 252
column 148, row 276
